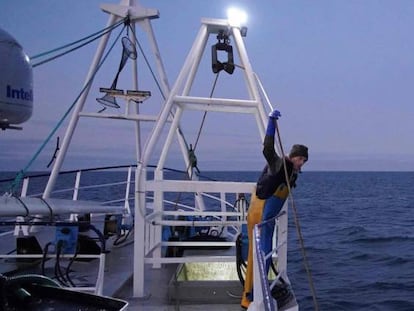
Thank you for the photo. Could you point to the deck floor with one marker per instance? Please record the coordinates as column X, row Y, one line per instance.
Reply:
column 223, row 296
column 157, row 283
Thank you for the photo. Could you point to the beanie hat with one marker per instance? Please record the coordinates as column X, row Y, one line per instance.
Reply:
column 299, row 150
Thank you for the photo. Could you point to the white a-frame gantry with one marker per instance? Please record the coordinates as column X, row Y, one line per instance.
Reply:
column 138, row 16
column 149, row 220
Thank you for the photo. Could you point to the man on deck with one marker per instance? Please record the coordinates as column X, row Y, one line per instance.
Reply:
column 269, row 196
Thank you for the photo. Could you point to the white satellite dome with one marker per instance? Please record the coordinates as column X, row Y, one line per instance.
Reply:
column 16, row 83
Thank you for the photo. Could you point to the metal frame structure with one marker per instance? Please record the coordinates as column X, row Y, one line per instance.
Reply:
column 178, row 101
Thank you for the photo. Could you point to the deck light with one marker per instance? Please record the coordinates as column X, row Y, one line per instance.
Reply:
column 236, row 17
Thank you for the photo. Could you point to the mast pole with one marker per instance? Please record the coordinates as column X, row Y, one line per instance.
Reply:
column 78, row 108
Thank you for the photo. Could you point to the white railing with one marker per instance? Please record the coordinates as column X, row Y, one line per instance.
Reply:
column 262, row 299
column 229, row 216
column 262, row 284
column 33, row 223
column 190, row 216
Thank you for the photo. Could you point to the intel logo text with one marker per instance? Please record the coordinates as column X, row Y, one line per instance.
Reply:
column 19, row 93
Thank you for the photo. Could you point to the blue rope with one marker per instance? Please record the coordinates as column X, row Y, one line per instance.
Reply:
column 103, row 31
column 77, row 47
column 22, row 172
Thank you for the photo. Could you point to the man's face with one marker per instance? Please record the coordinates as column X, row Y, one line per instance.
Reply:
column 298, row 162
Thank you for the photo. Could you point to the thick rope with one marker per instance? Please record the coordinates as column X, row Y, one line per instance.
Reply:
column 297, row 224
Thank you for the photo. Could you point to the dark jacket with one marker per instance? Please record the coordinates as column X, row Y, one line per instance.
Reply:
column 273, row 174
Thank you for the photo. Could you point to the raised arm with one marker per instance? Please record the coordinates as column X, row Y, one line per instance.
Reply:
column 269, row 152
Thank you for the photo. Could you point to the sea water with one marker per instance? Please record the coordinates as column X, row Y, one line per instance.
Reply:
column 358, row 233
column 358, row 237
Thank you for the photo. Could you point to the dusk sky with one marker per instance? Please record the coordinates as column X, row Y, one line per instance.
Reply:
column 340, row 72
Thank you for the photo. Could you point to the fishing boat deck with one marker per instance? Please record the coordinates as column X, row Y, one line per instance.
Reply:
column 142, row 204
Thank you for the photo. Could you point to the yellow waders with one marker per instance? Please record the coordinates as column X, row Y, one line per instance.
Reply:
column 255, row 216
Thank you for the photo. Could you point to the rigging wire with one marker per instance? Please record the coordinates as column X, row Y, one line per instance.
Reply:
column 137, row 43
column 297, row 224
column 205, row 112
column 80, row 40
column 155, row 78
column 147, row 62
column 97, row 36
column 22, row 172
column 164, row 97
column 191, row 150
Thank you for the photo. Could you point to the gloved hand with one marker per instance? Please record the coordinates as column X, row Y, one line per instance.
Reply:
column 275, row 114
column 271, row 127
